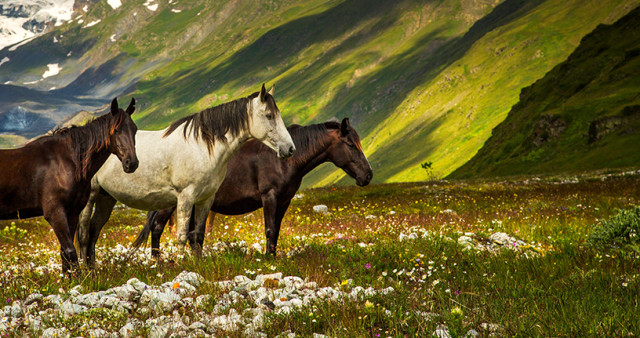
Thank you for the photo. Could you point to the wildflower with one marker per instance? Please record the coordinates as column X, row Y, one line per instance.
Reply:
column 368, row 304
column 435, row 282
column 367, row 266
column 456, row 311
column 175, row 286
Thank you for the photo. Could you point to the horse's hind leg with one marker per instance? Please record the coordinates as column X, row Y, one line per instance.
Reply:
column 103, row 207
column 209, row 221
column 82, row 235
column 158, row 223
column 200, row 215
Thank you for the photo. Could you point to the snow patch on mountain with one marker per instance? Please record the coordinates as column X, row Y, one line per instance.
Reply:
column 25, row 19
column 4, row 60
column 151, row 7
column 54, row 69
column 114, row 3
column 92, row 23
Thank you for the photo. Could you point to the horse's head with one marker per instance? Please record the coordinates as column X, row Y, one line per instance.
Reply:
column 122, row 136
column 346, row 153
column 266, row 125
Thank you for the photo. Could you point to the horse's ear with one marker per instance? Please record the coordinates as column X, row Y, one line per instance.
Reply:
column 114, row 106
column 132, row 106
column 344, row 127
column 263, row 93
column 272, row 90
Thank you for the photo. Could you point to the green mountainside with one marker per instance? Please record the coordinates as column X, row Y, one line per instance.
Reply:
column 583, row 115
column 421, row 80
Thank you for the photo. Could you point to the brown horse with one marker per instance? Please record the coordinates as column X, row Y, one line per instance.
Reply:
column 51, row 176
column 257, row 178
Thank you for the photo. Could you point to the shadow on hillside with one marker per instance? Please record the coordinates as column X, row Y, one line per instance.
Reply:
column 426, row 70
column 278, row 48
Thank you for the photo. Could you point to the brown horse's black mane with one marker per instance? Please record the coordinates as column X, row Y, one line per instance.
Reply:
column 308, row 139
column 305, row 137
column 87, row 139
column 212, row 124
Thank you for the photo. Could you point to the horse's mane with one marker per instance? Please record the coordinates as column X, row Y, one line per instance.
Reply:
column 89, row 138
column 305, row 137
column 212, row 124
column 308, row 139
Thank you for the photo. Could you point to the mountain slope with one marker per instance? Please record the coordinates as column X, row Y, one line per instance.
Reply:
column 420, row 80
column 584, row 114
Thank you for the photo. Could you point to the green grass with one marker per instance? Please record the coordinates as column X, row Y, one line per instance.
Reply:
column 558, row 285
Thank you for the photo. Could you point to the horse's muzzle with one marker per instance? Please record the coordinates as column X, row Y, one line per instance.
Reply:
column 130, row 166
column 366, row 180
column 284, row 153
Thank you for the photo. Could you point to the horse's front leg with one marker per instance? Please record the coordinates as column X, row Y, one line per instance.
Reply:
column 56, row 215
column 200, row 215
column 183, row 214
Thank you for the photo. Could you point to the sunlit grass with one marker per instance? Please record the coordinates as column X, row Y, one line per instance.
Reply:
column 403, row 236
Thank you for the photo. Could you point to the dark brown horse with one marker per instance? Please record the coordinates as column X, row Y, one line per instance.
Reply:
column 257, row 178
column 51, row 176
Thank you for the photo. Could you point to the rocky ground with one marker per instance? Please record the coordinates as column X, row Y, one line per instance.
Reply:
column 178, row 308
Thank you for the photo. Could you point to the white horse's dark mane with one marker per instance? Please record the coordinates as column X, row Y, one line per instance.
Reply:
column 212, row 124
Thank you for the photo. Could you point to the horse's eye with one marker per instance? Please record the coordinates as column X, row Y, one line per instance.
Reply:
column 270, row 116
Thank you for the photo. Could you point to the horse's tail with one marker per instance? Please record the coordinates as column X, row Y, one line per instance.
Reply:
column 143, row 236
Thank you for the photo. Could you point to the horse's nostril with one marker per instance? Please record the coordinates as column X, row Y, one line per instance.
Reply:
column 292, row 150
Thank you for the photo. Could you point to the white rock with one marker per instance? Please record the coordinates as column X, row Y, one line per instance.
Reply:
column 293, row 281
column 321, row 209
column 69, row 309
column 159, row 301
column 505, row 240
column 225, row 285
column 197, row 326
column 130, row 329
column 32, row 298
column 203, row 301
column 189, row 277
column 98, row 333
column 241, row 279
column 466, row 242
column 137, row 285
column 89, row 300
column 275, row 276
column 126, row 292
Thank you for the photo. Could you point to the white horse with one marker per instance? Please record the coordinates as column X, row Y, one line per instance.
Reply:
column 182, row 165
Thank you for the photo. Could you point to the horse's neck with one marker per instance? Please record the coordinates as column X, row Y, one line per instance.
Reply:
column 230, row 147
column 308, row 159
column 96, row 160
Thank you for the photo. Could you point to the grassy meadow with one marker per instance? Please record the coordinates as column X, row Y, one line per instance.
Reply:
column 406, row 236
